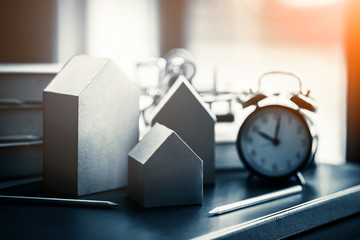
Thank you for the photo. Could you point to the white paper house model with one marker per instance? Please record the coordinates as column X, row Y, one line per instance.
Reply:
column 91, row 112
column 164, row 171
column 184, row 111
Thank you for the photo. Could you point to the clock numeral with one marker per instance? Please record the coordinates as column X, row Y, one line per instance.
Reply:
column 249, row 140
column 275, row 167
column 276, row 115
column 288, row 163
column 289, row 120
column 264, row 119
column 303, row 143
column 263, row 161
column 299, row 130
column 255, row 128
column 253, row 153
column 298, row 155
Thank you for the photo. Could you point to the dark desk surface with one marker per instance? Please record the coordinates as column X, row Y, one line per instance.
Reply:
column 130, row 221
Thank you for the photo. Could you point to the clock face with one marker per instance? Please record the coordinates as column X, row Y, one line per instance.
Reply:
column 274, row 141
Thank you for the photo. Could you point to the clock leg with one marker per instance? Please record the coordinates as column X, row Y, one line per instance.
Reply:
column 300, row 178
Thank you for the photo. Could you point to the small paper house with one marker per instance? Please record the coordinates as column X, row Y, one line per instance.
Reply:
column 164, row 171
column 183, row 111
column 91, row 112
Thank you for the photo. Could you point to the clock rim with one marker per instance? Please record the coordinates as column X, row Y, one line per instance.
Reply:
column 309, row 153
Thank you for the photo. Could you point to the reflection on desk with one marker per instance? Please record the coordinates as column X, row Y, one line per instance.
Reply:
column 130, row 221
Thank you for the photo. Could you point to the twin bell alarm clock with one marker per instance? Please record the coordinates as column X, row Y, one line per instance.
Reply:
column 277, row 139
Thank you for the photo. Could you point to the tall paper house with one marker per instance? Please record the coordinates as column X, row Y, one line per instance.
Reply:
column 164, row 171
column 184, row 111
column 91, row 112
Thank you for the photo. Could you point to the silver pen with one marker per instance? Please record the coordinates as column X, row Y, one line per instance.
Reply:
column 257, row 200
column 58, row 201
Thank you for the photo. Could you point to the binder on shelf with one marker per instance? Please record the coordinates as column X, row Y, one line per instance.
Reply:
column 21, row 87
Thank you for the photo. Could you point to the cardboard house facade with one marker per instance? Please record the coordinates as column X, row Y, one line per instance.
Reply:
column 164, row 171
column 184, row 111
column 91, row 112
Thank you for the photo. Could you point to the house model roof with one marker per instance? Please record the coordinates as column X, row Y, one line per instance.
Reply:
column 65, row 83
column 150, row 143
column 182, row 84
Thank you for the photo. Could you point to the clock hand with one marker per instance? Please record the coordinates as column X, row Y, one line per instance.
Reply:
column 276, row 138
column 274, row 141
column 264, row 135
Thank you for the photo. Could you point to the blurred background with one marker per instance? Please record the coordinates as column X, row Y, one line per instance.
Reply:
column 240, row 39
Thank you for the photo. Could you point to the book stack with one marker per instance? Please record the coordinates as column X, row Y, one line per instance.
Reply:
column 21, row 87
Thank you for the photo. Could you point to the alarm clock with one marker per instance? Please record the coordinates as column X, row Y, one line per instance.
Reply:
column 277, row 139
